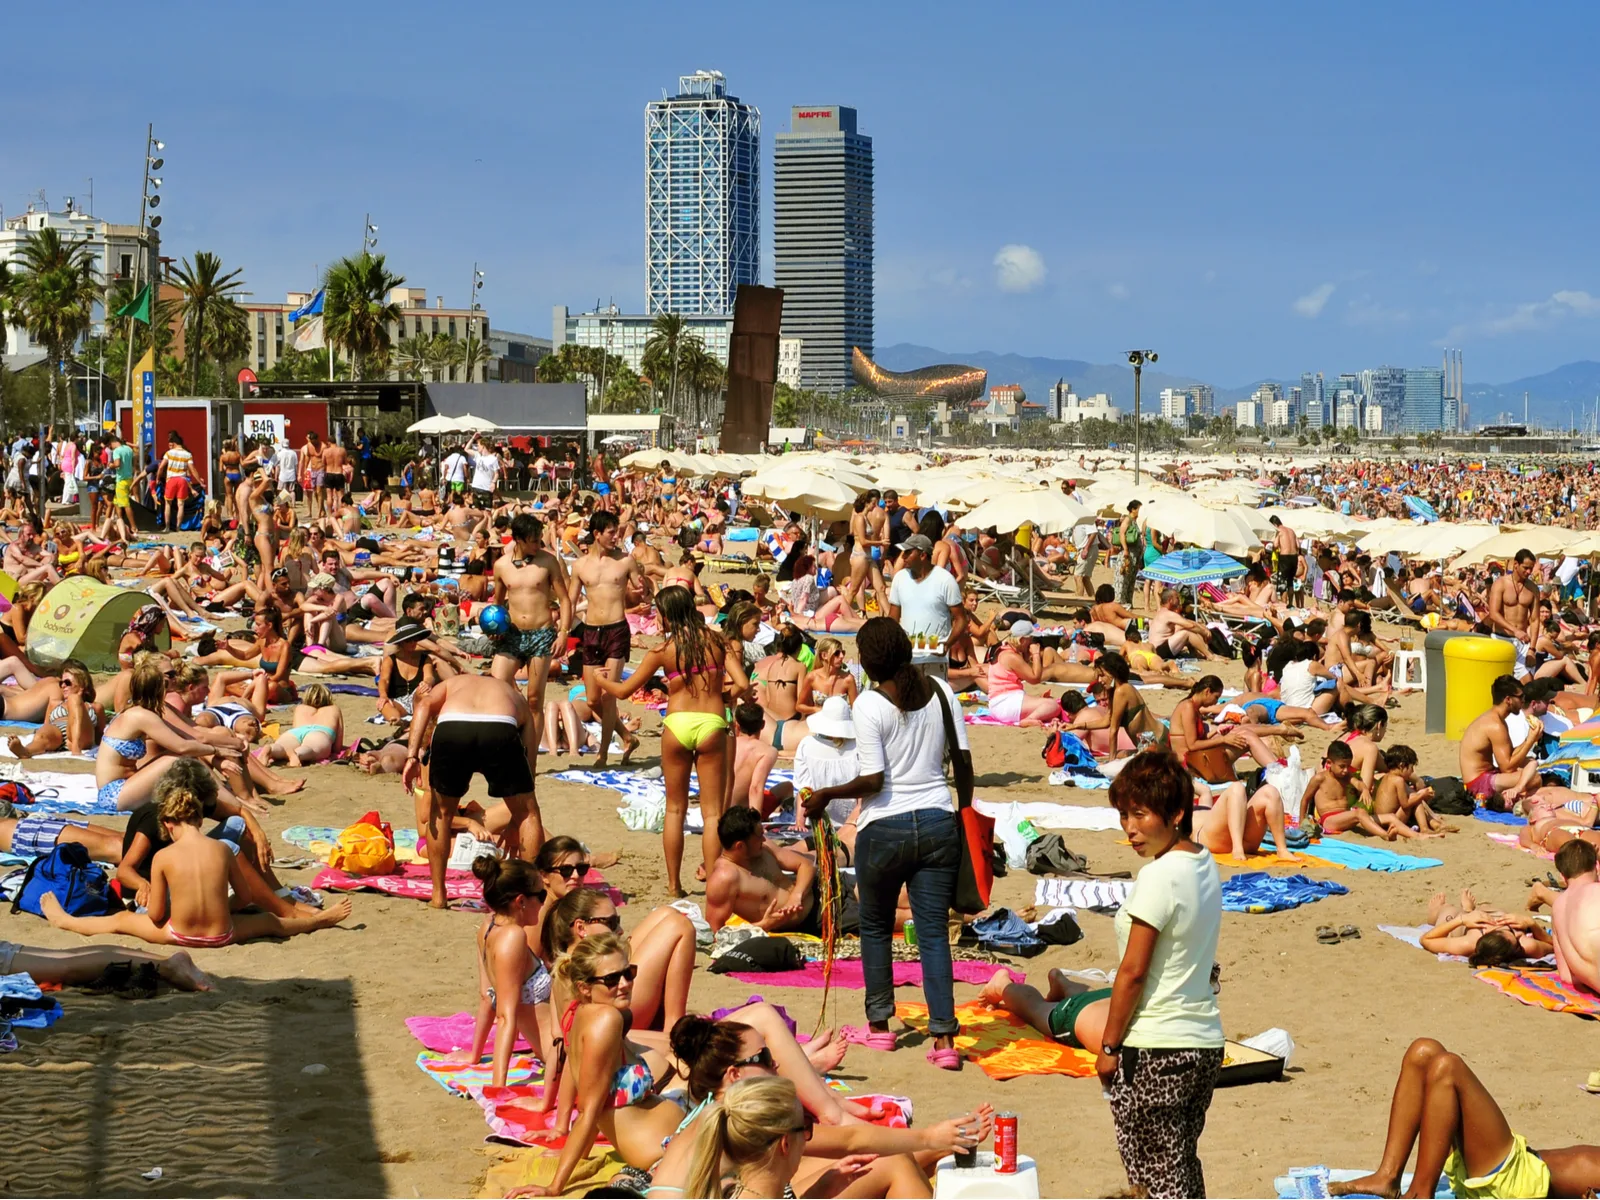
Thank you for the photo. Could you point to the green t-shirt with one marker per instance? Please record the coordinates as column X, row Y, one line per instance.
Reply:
column 1180, row 896
column 123, row 455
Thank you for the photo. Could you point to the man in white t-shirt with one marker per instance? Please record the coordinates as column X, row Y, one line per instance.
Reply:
column 485, row 473
column 925, row 599
column 453, row 474
column 287, row 463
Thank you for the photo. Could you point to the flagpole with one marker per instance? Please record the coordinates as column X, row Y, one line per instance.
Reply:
column 138, row 264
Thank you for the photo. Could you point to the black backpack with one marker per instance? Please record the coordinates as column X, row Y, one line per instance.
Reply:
column 1451, row 798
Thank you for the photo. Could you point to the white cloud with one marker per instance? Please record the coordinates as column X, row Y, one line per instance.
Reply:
column 1119, row 291
column 1367, row 311
column 1313, row 302
column 1526, row 318
column 1018, row 268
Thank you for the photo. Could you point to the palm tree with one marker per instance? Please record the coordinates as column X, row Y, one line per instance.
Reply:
column 209, row 307
column 7, row 282
column 665, row 344
column 55, row 295
column 357, row 311
column 469, row 355
column 554, row 368
column 441, row 353
column 412, row 357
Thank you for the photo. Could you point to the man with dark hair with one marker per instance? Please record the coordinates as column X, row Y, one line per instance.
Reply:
column 1514, row 608
column 525, row 585
column 770, row 886
column 1287, row 545
column 1129, row 541
column 1490, row 767
column 603, row 576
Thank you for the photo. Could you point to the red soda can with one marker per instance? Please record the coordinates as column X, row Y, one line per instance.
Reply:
column 1005, row 1143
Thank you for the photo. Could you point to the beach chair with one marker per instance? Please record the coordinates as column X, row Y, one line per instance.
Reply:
column 1401, row 612
column 737, row 563
column 994, row 589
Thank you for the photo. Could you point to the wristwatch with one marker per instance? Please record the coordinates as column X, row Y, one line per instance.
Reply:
column 1111, row 1050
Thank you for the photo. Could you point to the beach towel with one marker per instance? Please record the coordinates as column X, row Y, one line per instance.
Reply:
column 1311, row 1183
column 448, row 1034
column 1411, row 935
column 411, row 881
column 644, row 801
column 513, row 1116
column 1054, row 816
column 847, row 973
column 1081, row 893
column 1362, row 858
column 65, row 792
column 1510, row 839
column 459, row 1080
column 538, row 1168
column 1003, row 1045
column 352, row 689
column 321, row 839
column 1498, row 818
column 1542, row 989
column 1258, row 892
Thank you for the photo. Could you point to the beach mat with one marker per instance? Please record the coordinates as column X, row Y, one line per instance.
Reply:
column 411, row 881
column 446, row 1034
column 1258, row 892
column 1003, row 1045
column 352, row 689
column 61, row 792
column 512, row 1115
column 1362, row 858
column 1411, row 935
column 537, row 1168
column 1090, row 817
column 848, row 974
column 459, row 1080
column 321, row 839
column 1309, row 1183
column 1498, row 818
column 1542, row 989
column 1510, row 839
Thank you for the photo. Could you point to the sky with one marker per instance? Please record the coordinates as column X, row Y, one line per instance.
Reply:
column 1253, row 190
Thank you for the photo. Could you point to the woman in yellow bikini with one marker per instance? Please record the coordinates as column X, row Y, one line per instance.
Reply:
column 699, row 663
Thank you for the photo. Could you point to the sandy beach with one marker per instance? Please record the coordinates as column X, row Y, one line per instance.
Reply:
column 297, row 1075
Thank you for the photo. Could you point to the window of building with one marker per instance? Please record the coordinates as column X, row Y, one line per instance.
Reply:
column 125, row 267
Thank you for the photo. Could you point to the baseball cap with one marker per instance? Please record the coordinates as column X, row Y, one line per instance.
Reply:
column 917, row 542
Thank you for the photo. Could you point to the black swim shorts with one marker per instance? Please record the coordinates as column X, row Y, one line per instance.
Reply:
column 490, row 746
column 601, row 643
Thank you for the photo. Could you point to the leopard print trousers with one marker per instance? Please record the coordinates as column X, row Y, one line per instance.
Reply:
column 1159, row 1100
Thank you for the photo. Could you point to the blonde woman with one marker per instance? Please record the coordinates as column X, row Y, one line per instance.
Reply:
column 72, row 724
column 829, row 677
column 760, row 1131
column 317, row 732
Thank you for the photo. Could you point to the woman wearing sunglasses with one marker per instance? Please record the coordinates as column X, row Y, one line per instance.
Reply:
column 513, row 985
column 662, row 947
column 718, row 1056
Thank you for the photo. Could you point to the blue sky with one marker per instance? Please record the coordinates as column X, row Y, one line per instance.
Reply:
column 1252, row 189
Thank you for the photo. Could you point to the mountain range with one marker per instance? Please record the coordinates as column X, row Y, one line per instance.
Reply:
column 1554, row 398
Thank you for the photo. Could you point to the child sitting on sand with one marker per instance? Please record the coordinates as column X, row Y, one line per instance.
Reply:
column 1397, row 805
column 1333, row 798
column 189, row 882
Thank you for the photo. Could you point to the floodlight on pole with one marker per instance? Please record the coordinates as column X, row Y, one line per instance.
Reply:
column 1137, row 359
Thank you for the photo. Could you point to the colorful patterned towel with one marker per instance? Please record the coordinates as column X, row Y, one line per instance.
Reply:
column 321, row 839
column 65, row 792
column 1258, row 892
column 459, row 1080
column 1081, row 893
column 847, row 973
column 447, row 1034
column 644, row 801
column 1510, row 839
column 412, row 882
column 512, row 1113
column 1542, row 989
column 1002, row 1044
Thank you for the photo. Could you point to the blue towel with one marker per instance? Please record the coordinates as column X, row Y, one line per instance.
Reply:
column 1362, row 858
column 1259, row 892
column 747, row 533
column 1307, row 1183
column 1499, row 818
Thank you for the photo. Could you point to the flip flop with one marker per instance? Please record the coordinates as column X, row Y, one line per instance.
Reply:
column 1349, row 932
column 863, row 1035
column 947, row 1059
column 1327, row 935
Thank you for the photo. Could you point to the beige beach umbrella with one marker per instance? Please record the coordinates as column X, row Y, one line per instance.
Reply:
column 1046, row 509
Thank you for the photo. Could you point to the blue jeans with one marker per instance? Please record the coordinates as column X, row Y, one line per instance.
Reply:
column 919, row 851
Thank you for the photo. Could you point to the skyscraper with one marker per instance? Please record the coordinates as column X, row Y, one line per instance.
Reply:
column 1422, row 410
column 822, row 240
column 1313, row 399
column 702, row 197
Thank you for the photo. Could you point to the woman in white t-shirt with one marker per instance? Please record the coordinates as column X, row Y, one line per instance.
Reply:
column 1162, row 1045
column 906, row 833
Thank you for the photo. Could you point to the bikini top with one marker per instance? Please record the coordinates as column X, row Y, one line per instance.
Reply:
column 535, row 988
column 633, row 1080
column 132, row 749
column 704, row 670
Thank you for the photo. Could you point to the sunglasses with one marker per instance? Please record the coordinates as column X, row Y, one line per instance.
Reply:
column 761, row 1058
column 610, row 979
column 571, row 870
column 613, row 922
column 807, row 1126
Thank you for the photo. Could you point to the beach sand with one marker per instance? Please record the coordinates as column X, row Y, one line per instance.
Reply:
column 214, row 1089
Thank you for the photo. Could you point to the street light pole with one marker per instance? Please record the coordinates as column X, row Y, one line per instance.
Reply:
column 1138, row 358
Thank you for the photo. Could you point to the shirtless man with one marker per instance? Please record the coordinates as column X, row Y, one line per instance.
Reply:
column 1170, row 628
column 1514, row 608
column 525, row 585
column 767, row 885
column 1287, row 545
column 311, row 458
column 1332, row 797
column 334, row 458
column 1575, row 921
column 603, row 575
column 753, row 759
column 1490, row 767
column 473, row 724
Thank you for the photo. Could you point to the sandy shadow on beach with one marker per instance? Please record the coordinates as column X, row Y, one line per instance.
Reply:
column 209, row 1088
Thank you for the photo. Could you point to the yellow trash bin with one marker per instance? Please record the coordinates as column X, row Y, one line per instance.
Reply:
column 1471, row 665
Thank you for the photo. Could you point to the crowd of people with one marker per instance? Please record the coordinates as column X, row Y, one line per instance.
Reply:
column 495, row 629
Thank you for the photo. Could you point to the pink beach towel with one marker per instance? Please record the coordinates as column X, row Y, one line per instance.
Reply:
column 847, row 973
column 1510, row 839
column 412, row 882
column 447, row 1034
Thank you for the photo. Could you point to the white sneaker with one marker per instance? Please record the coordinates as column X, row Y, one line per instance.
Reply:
column 1058, row 778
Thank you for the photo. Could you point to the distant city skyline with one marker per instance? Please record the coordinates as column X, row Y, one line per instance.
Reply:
column 1159, row 200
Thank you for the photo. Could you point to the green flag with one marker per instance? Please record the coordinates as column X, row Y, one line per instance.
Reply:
column 139, row 307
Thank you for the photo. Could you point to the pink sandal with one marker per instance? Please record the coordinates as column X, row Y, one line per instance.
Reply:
column 946, row 1059
column 865, row 1035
